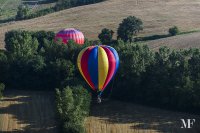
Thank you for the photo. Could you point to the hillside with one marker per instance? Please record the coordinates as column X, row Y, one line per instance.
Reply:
column 157, row 15
column 191, row 40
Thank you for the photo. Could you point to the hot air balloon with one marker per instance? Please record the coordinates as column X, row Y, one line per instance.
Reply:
column 98, row 65
column 70, row 34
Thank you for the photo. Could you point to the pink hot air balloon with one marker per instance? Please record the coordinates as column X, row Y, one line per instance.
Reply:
column 70, row 34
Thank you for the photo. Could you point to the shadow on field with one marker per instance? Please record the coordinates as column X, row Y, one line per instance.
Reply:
column 143, row 118
column 27, row 112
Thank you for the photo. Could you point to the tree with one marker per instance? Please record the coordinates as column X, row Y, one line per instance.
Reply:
column 72, row 107
column 173, row 31
column 22, row 12
column 20, row 43
column 106, row 36
column 129, row 27
column 63, row 4
column 2, row 86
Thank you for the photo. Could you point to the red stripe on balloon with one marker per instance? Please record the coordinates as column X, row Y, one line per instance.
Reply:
column 75, row 35
column 112, row 66
column 84, row 66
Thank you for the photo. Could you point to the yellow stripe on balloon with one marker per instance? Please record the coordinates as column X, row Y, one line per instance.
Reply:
column 103, row 66
column 79, row 64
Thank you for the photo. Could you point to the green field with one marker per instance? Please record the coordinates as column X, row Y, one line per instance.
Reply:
column 8, row 8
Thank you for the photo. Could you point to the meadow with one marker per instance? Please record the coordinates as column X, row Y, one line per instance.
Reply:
column 9, row 8
column 157, row 15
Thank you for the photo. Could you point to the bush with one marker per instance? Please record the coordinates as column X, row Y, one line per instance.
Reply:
column 40, row 13
column 22, row 12
column 129, row 27
column 64, row 4
column 73, row 105
column 106, row 36
column 173, row 31
column 2, row 87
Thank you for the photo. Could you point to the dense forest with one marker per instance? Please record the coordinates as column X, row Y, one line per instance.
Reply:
column 33, row 60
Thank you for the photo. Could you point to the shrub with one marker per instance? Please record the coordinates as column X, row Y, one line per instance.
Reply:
column 22, row 12
column 40, row 13
column 106, row 36
column 64, row 4
column 129, row 27
column 173, row 31
column 2, row 87
column 72, row 107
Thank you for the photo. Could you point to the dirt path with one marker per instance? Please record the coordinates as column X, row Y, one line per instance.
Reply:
column 120, row 117
column 27, row 112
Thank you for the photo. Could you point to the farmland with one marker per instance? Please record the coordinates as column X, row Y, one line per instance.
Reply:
column 8, row 8
column 177, row 42
column 33, row 112
column 157, row 15
column 120, row 117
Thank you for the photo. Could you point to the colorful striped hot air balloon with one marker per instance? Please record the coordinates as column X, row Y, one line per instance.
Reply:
column 98, row 65
column 70, row 34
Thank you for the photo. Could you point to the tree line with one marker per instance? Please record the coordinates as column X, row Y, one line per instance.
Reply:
column 165, row 78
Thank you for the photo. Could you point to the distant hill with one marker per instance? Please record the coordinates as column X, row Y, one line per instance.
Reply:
column 157, row 15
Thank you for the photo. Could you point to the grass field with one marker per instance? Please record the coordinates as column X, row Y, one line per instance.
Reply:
column 120, row 117
column 27, row 112
column 157, row 15
column 33, row 112
column 191, row 40
column 8, row 8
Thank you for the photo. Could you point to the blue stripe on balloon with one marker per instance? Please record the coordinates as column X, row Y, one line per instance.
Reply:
column 116, row 58
column 93, row 66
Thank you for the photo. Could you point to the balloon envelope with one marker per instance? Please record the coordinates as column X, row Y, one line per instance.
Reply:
column 70, row 34
column 98, row 65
